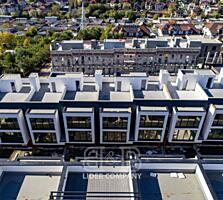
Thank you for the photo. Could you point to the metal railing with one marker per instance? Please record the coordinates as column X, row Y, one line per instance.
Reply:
column 93, row 195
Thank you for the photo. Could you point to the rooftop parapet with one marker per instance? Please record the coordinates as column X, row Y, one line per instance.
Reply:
column 149, row 43
column 199, row 84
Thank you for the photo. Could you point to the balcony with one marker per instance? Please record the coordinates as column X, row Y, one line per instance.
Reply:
column 115, row 122
column 9, row 124
column 45, row 137
column 114, row 136
column 42, row 124
column 151, row 121
column 79, row 122
column 11, row 137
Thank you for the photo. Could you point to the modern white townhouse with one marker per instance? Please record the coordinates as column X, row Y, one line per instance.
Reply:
column 213, row 126
column 79, row 125
column 44, row 126
column 136, row 55
column 151, row 123
column 115, row 125
column 186, row 124
column 13, row 129
column 132, row 108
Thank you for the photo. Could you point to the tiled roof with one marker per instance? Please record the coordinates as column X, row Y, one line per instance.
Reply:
column 214, row 27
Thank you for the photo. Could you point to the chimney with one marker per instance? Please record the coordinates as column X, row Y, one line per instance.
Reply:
column 34, row 81
column 164, row 78
column 98, row 79
column 135, row 43
column 94, row 44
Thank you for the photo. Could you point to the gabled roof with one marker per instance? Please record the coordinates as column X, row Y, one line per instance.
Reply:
column 214, row 27
column 131, row 28
column 182, row 27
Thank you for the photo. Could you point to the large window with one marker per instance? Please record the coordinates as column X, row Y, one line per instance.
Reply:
column 215, row 134
column 151, row 121
column 114, row 136
column 145, row 135
column 115, row 122
column 184, row 135
column 45, row 137
column 42, row 124
column 79, row 122
column 188, row 121
column 218, row 120
column 9, row 124
column 11, row 137
column 84, row 136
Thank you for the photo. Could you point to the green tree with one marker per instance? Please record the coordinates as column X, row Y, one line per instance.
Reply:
column 55, row 10
column 89, row 33
column 106, row 32
column 65, row 35
column 32, row 31
column 131, row 15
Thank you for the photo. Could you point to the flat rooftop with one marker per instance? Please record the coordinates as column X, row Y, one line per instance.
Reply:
column 44, row 94
column 108, row 93
column 152, row 109
column 103, row 179
column 204, row 39
column 9, row 76
column 86, row 96
column 216, row 91
column 9, row 111
column 185, row 94
column 118, row 110
column 20, row 96
column 77, row 110
column 66, row 75
column 164, row 187
column 160, row 42
column 190, row 109
column 110, row 185
column 153, row 92
column 42, row 111
column 20, row 185
column 63, row 86
column 216, row 179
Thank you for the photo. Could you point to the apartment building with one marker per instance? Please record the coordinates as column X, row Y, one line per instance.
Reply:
column 136, row 55
column 133, row 108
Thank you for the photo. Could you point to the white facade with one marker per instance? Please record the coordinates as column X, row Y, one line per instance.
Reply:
column 188, row 129
column 44, row 114
column 151, row 112
column 210, row 126
column 79, row 113
column 18, row 115
column 115, row 113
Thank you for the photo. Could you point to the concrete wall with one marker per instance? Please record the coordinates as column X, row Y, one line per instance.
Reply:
column 203, row 183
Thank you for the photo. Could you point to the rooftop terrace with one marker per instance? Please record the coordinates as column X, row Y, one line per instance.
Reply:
column 164, row 187
column 166, row 179
column 187, row 85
